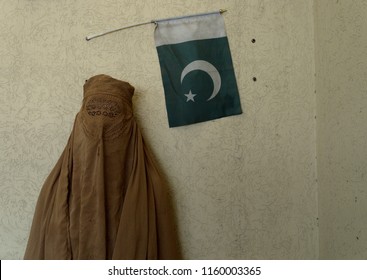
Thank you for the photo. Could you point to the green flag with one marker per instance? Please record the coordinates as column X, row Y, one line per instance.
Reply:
column 197, row 71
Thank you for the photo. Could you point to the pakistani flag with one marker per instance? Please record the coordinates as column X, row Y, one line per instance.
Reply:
column 196, row 65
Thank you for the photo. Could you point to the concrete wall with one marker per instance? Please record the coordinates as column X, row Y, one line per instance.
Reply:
column 244, row 186
column 341, row 83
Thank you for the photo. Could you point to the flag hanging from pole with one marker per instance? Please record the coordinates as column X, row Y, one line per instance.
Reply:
column 197, row 71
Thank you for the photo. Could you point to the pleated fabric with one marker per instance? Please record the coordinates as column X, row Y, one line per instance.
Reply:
column 105, row 198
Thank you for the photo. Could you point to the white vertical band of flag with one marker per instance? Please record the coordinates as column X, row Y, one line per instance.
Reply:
column 174, row 32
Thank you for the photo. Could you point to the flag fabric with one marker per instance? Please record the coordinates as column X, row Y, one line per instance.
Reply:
column 197, row 71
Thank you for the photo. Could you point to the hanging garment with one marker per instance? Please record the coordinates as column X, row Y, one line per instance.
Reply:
column 105, row 198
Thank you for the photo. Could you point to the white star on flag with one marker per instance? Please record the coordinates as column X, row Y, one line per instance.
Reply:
column 190, row 96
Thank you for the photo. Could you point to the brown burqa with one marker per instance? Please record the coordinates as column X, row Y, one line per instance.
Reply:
column 105, row 198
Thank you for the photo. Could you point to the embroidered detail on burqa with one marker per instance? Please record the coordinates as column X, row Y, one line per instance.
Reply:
column 105, row 198
column 101, row 106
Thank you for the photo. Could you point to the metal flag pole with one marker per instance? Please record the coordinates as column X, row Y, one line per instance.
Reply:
column 90, row 37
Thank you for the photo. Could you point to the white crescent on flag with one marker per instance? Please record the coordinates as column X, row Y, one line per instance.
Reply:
column 208, row 68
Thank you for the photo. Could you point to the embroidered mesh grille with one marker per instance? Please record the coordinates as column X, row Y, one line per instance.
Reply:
column 100, row 106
